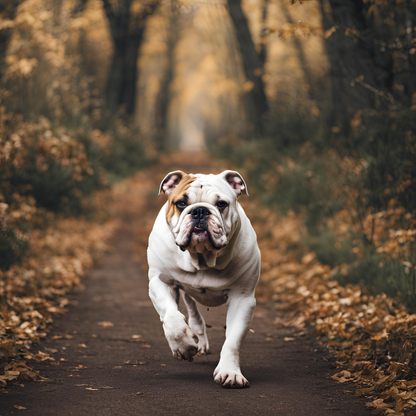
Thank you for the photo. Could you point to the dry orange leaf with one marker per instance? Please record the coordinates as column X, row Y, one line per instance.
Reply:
column 106, row 324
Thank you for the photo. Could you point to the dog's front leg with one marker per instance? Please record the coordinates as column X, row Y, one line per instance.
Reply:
column 182, row 341
column 240, row 312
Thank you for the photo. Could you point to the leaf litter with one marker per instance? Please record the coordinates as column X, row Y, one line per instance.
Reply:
column 34, row 292
column 372, row 337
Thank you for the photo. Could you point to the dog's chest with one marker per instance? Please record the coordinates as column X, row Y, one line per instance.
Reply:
column 206, row 296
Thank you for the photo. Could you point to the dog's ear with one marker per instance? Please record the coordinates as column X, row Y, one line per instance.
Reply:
column 171, row 181
column 236, row 181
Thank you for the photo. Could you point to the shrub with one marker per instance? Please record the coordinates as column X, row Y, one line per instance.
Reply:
column 356, row 194
column 46, row 169
column 12, row 248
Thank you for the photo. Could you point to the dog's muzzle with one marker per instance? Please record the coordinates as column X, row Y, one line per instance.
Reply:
column 200, row 218
column 205, row 223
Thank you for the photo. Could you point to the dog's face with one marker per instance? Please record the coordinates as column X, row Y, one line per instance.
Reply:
column 202, row 209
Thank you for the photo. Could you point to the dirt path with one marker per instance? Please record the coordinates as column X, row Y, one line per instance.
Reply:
column 287, row 378
column 123, row 366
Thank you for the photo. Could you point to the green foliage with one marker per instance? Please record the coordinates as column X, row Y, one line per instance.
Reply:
column 54, row 188
column 329, row 249
column 371, row 171
column 122, row 157
column 289, row 178
column 384, row 274
column 386, row 142
column 12, row 248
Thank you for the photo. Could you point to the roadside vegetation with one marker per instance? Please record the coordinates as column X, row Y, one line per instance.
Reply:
column 348, row 172
column 61, row 150
column 357, row 204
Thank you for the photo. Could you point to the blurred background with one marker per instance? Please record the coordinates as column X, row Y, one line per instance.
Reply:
column 313, row 100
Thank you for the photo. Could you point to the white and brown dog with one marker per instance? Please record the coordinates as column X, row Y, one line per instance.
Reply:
column 203, row 244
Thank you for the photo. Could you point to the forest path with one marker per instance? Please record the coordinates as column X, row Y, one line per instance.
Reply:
column 126, row 367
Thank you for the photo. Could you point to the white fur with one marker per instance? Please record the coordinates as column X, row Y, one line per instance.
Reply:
column 228, row 275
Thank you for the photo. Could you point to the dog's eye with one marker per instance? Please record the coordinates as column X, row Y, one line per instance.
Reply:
column 221, row 204
column 181, row 204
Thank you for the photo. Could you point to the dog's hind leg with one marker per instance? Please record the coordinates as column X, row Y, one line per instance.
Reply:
column 197, row 324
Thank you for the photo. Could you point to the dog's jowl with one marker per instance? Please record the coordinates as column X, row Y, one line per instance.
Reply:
column 203, row 247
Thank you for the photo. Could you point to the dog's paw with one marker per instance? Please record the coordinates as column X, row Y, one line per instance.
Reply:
column 203, row 346
column 230, row 378
column 203, row 350
column 182, row 340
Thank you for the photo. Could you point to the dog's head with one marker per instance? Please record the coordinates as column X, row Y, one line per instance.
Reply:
column 202, row 209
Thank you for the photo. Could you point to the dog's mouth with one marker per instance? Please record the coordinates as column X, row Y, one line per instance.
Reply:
column 200, row 231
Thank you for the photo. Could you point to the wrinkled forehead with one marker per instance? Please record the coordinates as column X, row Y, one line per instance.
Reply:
column 207, row 188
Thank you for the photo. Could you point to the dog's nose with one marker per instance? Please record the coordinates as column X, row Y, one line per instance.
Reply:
column 200, row 212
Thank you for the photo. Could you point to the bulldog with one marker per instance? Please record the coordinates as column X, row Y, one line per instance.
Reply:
column 204, row 247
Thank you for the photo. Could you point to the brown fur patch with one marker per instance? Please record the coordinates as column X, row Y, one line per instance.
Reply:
column 176, row 195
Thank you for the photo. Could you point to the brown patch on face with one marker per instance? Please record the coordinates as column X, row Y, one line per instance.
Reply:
column 176, row 195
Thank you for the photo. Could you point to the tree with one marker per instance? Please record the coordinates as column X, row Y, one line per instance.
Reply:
column 359, row 74
column 127, row 29
column 253, row 66
column 163, row 96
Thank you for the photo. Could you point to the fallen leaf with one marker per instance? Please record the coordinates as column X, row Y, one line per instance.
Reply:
column 106, row 324
column 131, row 362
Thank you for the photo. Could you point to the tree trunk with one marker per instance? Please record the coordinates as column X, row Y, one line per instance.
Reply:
column 115, row 83
column 128, row 97
column 354, row 75
column 163, row 97
column 253, row 66
column 311, row 83
column 263, row 34
column 127, row 32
